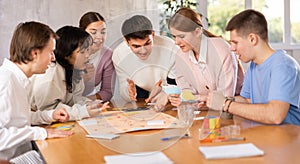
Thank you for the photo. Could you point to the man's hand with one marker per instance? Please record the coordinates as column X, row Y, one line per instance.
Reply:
column 155, row 90
column 60, row 115
column 90, row 72
column 131, row 90
column 52, row 133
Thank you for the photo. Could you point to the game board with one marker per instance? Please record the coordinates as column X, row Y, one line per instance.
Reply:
column 121, row 122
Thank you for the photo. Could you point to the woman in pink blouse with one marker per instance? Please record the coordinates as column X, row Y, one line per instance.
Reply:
column 204, row 62
column 100, row 70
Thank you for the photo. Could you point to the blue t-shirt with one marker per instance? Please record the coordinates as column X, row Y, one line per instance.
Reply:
column 277, row 78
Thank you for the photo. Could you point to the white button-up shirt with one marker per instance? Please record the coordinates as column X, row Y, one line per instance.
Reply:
column 15, row 113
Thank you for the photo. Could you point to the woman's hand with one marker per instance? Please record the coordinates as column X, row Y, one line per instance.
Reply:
column 94, row 109
column 174, row 99
column 60, row 115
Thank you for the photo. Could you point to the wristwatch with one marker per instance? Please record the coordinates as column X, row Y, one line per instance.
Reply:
column 228, row 98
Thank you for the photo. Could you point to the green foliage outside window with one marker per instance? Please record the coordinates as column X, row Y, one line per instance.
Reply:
column 219, row 12
column 169, row 7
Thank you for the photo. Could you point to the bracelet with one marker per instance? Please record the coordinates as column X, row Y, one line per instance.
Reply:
column 228, row 99
column 229, row 105
column 224, row 104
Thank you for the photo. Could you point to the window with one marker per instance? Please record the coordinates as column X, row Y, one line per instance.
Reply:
column 219, row 13
column 274, row 13
column 295, row 21
column 282, row 16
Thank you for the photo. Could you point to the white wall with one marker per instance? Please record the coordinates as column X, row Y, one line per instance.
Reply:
column 57, row 13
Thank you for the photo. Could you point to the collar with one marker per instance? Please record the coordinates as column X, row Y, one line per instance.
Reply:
column 22, row 78
column 203, row 52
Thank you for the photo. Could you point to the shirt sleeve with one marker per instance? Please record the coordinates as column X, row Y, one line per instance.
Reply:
column 14, row 136
column 121, row 78
column 226, row 82
column 284, row 84
column 107, row 77
column 76, row 112
column 14, row 132
column 42, row 117
column 55, row 96
column 77, row 95
column 245, row 92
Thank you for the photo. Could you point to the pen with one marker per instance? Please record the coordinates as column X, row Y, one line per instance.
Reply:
column 174, row 137
column 169, row 138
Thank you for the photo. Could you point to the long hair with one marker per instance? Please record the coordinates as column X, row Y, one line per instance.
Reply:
column 70, row 38
column 187, row 20
column 89, row 18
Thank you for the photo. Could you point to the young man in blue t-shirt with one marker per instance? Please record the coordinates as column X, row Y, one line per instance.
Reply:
column 271, row 88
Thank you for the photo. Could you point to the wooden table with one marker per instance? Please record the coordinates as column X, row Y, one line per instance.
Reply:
column 281, row 144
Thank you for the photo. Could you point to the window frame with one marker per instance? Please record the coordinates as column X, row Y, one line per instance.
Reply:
column 287, row 39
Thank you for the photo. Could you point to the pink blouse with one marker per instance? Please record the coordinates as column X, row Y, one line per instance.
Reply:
column 216, row 69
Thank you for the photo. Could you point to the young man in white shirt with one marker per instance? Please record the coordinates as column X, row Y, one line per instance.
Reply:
column 143, row 62
column 31, row 51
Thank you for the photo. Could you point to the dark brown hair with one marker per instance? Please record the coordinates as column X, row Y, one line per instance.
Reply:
column 249, row 21
column 89, row 18
column 70, row 38
column 187, row 20
column 29, row 36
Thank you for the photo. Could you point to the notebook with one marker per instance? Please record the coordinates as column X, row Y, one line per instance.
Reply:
column 230, row 151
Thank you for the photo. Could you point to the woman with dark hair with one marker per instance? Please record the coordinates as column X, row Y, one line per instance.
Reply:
column 62, row 85
column 205, row 62
column 99, row 73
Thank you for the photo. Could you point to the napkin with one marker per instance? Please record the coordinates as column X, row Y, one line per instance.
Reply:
column 230, row 151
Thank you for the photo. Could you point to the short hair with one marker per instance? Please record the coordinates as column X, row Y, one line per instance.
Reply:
column 249, row 21
column 89, row 18
column 70, row 38
column 29, row 36
column 137, row 27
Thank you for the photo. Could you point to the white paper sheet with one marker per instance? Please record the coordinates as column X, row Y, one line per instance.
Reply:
column 138, row 158
column 230, row 151
column 102, row 136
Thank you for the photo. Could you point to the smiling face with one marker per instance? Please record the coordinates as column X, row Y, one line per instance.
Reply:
column 79, row 58
column 241, row 46
column 98, row 32
column 141, row 47
column 186, row 40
